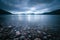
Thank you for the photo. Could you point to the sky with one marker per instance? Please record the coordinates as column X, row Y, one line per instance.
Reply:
column 29, row 6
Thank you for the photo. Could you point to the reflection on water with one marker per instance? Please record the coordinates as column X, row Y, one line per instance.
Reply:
column 36, row 19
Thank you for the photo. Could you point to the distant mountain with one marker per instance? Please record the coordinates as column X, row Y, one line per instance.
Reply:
column 3, row 12
column 56, row 12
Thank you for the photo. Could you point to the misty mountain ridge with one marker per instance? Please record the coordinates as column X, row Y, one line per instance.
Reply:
column 3, row 12
column 55, row 12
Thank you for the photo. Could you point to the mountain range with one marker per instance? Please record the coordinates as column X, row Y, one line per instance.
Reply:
column 55, row 12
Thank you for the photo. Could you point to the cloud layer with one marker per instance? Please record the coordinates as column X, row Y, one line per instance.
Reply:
column 24, row 5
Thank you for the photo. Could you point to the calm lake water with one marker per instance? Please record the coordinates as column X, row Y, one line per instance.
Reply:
column 30, row 19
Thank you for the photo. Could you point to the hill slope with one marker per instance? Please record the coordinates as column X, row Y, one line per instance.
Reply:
column 4, row 12
column 56, row 12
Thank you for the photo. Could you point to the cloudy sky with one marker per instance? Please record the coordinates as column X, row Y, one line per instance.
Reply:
column 29, row 5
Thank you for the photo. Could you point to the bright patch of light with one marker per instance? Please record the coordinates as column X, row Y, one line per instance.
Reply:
column 32, row 10
column 29, row 17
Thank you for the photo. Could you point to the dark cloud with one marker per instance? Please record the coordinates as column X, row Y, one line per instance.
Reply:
column 21, row 5
column 41, row 1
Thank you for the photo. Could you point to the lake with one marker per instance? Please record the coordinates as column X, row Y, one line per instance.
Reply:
column 30, row 19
